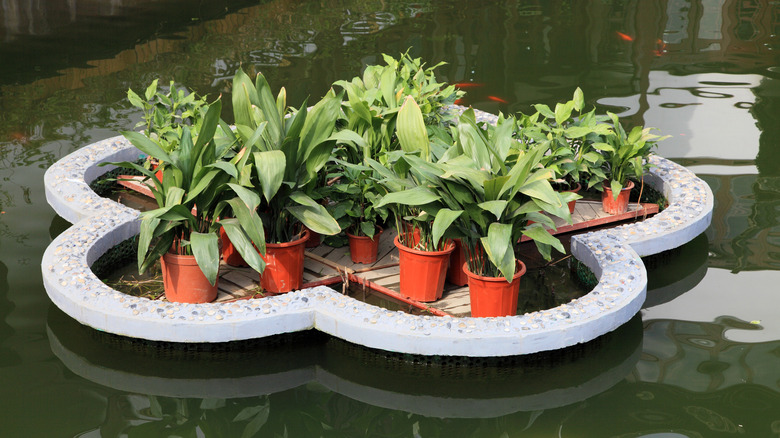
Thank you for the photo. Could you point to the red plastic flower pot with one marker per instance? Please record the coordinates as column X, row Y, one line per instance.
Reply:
column 363, row 249
column 611, row 205
column 573, row 204
column 455, row 274
column 494, row 296
column 230, row 254
column 423, row 272
column 314, row 239
column 184, row 281
column 284, row 265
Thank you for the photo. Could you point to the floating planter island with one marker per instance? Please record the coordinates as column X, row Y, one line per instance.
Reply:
column 100, row 224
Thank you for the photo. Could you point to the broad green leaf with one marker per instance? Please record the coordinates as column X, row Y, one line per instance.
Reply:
column 244, row 246
column 578, row 99
column 577, row 131
column 540, row 235
column 414, row 196
column 267, row 104
column 544, row 110
column 495, row 207
column 209, row 126
column 151, row 90
column 313, row 215
column 541, row 190
column 250, row 198
column 498, row 246
column 563, row 112
column 174, row 196
column 616, row 187
column 148, row 225
column 134, row 99
column 205, row 248
column 441, row 223
column 147, row 146
column 243, row 96
column 270, row 166
column 249, row 221
column 410, row 128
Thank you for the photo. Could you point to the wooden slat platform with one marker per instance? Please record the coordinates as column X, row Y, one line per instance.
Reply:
column 325, row 265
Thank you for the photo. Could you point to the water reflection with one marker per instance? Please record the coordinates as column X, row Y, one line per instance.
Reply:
column 431, row 387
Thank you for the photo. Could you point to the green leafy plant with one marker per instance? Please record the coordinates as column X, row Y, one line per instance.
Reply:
column 194, row 190
column 281, row 153
column 484, row 191
column 571, row 138
column 625, row 154
column 166, row 112
column 373, row 101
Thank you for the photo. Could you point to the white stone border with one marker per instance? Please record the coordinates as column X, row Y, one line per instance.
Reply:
column 99, row 224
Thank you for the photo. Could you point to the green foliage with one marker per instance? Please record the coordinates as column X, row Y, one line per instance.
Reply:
column 166, row 113
column 192, row 194
column 625, row 154
column 484, row 191
column 570, row 137
column 282, row 151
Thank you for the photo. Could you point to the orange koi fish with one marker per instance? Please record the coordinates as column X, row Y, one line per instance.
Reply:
column 624, row 37
column 469, row 85
column 497, row 99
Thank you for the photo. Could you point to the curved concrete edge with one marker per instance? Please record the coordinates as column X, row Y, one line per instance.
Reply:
column 66, row 182
column 102, row 223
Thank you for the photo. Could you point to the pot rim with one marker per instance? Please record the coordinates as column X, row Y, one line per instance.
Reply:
column 449, row 246
column 517, row 275
column 376, row 235
column 304, row 237
column 629, row 186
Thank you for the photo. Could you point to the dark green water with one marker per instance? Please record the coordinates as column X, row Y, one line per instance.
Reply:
column 701, row 360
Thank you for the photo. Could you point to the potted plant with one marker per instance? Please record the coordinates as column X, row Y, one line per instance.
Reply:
column 282, row 150
column 423, row 253
column 570, row 140
column 183, row 232
column 165, row 113
column 625, row 158
column 486, row 192
column 374, row 99
column 354, row 195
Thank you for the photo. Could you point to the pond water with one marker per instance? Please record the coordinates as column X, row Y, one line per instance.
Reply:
column 700, row 360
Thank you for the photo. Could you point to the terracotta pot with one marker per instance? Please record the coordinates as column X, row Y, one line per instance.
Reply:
column 314, row 239
column 159, row 173
column 363, row 249
column 612, row 206
column 423, row 272
column 494, row 296
column 573, row 204
column 284, row 265
column 184, row 281
column 455, row 274
column 230, row 254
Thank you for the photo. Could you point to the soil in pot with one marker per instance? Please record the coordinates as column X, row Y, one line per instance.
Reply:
column 613, row 206
column 184, row 281
column 423, row 272
column 363, row 249
column 494, row 296
column 284, row 265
